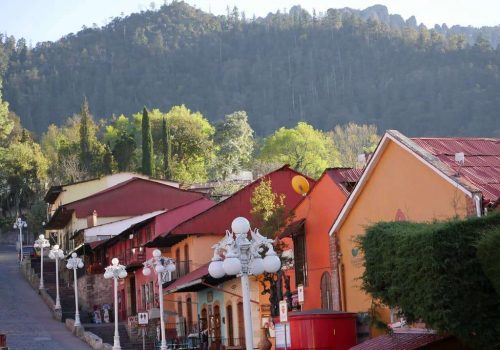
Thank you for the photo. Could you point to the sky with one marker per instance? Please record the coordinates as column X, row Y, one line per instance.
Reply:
column 48, row 20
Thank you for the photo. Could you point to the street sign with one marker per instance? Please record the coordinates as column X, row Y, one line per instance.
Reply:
column 300, row 292
column 283, row 311
column 282, row 336
column 142, row 317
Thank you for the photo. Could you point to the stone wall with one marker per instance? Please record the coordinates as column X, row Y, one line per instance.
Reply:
column 94, row 290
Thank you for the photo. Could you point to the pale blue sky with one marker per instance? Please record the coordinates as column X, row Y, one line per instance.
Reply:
column 42, row 20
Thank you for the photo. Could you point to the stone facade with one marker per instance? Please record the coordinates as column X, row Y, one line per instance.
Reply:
column 94, row 290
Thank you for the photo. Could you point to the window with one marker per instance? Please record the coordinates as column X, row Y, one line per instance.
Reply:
column 179, row 308
column 189, row 314
column 186, row 259
column 299, row 258
column 326, row 292
column 144, row 296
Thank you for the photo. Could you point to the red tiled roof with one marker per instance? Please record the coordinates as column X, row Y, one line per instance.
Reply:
column 482, row 161
column 187, row 280
column 399, row 341
column 341, row 175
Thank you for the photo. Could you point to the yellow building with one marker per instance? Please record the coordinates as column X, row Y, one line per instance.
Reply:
column 420, row 180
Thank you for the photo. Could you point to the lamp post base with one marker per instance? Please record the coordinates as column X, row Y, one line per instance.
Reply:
column 116, row 345
column 77, row 320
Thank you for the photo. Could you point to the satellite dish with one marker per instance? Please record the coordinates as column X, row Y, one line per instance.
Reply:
column 300, row 185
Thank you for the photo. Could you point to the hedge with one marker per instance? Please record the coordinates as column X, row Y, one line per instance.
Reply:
column 443, row 273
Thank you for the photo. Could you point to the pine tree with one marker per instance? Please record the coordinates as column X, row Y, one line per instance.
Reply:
column 85, row 147
column 165, row 138
column 147, row 144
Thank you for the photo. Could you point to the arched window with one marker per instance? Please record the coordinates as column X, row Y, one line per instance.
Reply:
column 178, row 263
column 186, row 259
column 326, row 291
column 179, row 308
column 189, row 314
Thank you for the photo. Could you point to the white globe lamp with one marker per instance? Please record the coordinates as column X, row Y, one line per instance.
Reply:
column 257, row 266
column 240, row 225
column 272, row 263
column 232, row 265
column 216, row 269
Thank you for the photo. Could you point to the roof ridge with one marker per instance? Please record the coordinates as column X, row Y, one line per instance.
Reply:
column 457, row 138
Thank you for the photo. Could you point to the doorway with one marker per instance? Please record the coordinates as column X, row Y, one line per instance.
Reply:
column 133, row 300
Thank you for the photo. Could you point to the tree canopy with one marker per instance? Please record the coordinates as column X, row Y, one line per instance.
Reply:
column 306, row 149
column 344, row 65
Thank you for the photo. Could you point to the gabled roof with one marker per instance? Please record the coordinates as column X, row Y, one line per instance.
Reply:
column 218, row 218
column 129, row 198
column 440, row 162
column 54, row 191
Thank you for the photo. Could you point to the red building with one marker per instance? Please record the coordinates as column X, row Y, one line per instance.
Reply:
column 308, row 237
column 137, row 292
column 127, row 199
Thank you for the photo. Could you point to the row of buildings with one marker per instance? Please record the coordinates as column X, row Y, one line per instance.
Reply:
column 128, row 216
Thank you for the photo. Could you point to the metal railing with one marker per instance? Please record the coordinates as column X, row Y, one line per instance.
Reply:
column 182, row 268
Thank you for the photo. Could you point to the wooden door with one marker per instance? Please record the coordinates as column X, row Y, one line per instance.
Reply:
column 230, row 326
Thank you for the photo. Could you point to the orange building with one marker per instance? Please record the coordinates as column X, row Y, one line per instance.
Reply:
column 421, row 180
column 310, row 240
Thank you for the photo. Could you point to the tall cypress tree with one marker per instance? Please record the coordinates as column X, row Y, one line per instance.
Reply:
column 85, row 147
column 165, row 139
column 147, row 144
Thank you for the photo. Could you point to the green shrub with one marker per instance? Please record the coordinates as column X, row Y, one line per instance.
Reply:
column 432, row 272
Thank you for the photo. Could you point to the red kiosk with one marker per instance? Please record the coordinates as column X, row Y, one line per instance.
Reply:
column 318, row 329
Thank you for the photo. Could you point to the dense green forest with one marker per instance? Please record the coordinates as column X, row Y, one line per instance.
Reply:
column 326, row 69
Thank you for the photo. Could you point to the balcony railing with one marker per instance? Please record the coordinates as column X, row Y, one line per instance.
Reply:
column 134, row 257
column 182, row 268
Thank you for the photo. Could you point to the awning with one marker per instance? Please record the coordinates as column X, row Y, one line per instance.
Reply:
column 60, row 219
column 165, row 241
column 194, row 281
column 74, row 250
column 293, row 228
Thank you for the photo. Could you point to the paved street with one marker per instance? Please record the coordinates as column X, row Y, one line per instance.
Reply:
column 24, row 317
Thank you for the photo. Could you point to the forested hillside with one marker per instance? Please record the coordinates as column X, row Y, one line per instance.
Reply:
column 325, row 69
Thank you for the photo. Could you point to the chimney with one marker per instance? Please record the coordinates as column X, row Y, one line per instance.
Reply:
column 92, row 219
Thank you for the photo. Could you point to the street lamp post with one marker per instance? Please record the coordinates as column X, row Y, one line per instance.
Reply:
column 116, row 271
column 56, row 254
column 41, row 243
column 75, row 263
column 19, row 224
column 160, row 265
column 243, row 257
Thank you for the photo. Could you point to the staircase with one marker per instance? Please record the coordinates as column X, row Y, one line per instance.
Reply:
column 106, row 332
column 66, row 294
